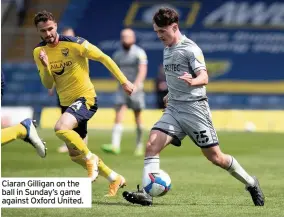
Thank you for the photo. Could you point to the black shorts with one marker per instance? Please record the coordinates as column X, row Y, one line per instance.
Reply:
column 80, row 111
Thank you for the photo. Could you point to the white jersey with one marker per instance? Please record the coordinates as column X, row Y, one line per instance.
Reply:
column 185, row 56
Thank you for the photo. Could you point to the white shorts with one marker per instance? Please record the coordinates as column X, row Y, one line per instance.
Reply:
column 189, row 118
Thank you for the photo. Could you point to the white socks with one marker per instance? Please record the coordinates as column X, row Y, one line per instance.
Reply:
column 112, row 176
column 151, row 165
column 236, row 170
column 89, row 155
column 116, row 135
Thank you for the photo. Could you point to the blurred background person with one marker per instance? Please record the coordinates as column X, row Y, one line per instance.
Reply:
column 132, row 60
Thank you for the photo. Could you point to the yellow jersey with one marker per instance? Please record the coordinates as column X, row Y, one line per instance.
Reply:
column 68, row 68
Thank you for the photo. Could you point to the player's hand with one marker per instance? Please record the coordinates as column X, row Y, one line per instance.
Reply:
column 43, row 57
column 128, row 87
column 186, row 77
column 51, row 92
column 166, row 99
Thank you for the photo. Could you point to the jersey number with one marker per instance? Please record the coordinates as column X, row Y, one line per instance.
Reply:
column 201, row 136
column 76, row 106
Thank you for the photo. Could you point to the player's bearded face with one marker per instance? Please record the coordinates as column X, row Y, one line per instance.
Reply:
column 126, row 46
column 127, row 40
column 48, row 31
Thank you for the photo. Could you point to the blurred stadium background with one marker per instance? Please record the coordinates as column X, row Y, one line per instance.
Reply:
column 243, row 43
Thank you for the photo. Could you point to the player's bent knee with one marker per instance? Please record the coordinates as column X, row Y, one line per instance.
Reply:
column 58, row 127
column 152, row 149
column 73, row 153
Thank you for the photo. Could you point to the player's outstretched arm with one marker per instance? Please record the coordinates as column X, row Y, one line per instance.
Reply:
column 92, row 52
column 41, row 61
column 128, row 87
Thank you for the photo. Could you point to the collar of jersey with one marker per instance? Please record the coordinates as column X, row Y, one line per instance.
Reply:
column 183, row 37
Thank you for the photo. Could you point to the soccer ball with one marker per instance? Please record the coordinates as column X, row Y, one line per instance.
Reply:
column 157, row 184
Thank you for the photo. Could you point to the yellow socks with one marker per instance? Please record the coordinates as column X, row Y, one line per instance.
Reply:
column 106, row 172
column 9, row 134
column 72, row 139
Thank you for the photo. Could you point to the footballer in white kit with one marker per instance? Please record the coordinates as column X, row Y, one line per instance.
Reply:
column 187, row 112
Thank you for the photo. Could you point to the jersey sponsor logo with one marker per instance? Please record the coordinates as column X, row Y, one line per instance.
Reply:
column 65, row 52
column 172, row 67
column 60, row 72
column 60, row 65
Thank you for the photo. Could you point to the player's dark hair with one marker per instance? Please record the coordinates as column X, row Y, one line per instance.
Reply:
column 165, row 17
column 43, row 16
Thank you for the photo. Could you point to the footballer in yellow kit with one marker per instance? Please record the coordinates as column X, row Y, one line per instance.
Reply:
column 63, row 61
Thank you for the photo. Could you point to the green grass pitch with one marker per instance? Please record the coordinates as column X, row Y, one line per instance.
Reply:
column 198, row 187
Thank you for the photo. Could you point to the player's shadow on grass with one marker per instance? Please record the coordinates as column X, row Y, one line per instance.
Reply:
column 105, row 203
column 112, row 203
